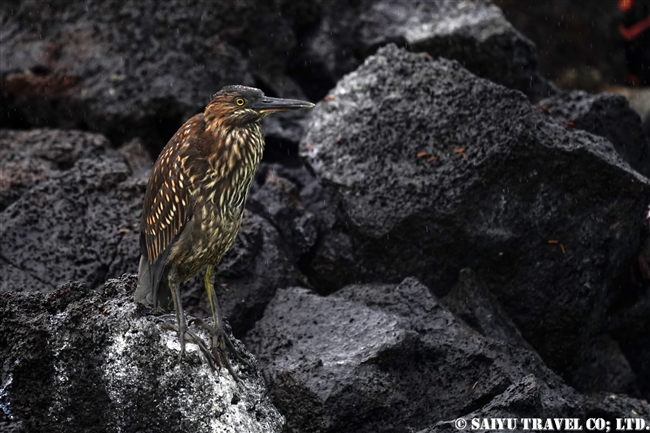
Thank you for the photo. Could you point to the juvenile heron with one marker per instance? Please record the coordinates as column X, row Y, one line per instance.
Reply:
column 194, row 204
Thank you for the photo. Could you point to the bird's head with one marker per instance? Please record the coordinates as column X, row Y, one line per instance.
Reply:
column 241, row 105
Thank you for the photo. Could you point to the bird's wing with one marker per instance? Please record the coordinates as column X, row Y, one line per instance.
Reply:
column 167, row 202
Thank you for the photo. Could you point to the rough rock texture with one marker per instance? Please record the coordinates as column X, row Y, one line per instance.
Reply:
column 473, row 32
column 278, row 200
column 630, row 327
column 78, row 361
column 432, row 169
column 72, row 202
column 471, row 302
column 528, row 398
column 391, row 358
column 584, row 39
column 131, row 69
column 609, row 116
column 28, row 157
column 128, row 68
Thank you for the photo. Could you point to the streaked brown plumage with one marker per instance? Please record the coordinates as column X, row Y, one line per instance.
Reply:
column 194, row 202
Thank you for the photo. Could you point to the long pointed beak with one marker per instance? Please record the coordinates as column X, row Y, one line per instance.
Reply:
column 273, row 105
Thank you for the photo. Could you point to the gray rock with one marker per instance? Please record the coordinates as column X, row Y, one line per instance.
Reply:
column 69, row 218
column 475, row 33
column 470, row 301
column 531, row 400
column 609, row 116
column 498, row 181
column 127, row 68
column 278, row 200
column 606, row 369
column 380, row 358
column 80, row 361
column 578, row 44
column 29, row 157
column 629, row 326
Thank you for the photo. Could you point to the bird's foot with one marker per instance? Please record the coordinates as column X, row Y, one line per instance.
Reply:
column 220, row 347
column 187, row 335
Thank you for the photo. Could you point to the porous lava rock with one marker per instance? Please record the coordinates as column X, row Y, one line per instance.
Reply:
column 609, row 116
column 128, row 68
column 73, row 201
column 475, row 33
column 391, row 358
column 75, row 360
column 432, row 169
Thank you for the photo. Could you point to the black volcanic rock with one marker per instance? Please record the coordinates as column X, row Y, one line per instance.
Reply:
column 432, row 169
column 391, row 358
column 278, row 200
column 578, row 43
column 630, row 328
column 526, row 400
column 70, row 217
column 79, row 361
column 128, row 68
column 29, row 157
column 475, row 33
column 470, row 301
column 609, row 116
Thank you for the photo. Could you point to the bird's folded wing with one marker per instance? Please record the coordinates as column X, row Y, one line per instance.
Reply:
column 167, row 202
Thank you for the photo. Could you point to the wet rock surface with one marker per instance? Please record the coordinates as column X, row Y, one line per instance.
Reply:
column 474, row 33
column 356, row 357
column 426, row 244
column 74, row 204
column 141, row 69
column 609, row 116
column 78, row 361
column 426, row 162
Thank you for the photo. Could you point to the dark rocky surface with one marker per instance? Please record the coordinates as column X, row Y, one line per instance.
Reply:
column 72, row 205
column 138, row 69
column 473, row 32
column 78, row 361
column 411, row 167
column 577, row 40
column 391, row 358
column 504, row 182
column 130, row 68
column 609, row 116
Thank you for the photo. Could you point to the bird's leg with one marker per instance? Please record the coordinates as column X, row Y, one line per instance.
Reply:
column 220, row 339
column 184, row 334
column 180, row 315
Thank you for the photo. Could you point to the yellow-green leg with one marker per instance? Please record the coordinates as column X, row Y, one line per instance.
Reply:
column 184, row 334
column 220, row 339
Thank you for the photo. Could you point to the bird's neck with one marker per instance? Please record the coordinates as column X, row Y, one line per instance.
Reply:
column 236, row 148
column 232, row 156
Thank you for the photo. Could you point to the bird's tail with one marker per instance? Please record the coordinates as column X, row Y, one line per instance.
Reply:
column 153, row 288
column 144, row 291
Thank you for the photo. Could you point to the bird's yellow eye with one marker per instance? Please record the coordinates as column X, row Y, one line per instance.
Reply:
column 240, row 101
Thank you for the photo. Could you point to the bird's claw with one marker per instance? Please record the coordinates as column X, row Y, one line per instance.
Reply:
column 220, row 342
column 187, row 335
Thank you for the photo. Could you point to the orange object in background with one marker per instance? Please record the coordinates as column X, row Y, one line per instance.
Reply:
column 625, row 5
column 631, row 33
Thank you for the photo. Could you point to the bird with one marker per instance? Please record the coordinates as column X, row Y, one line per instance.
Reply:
column 194, row 204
